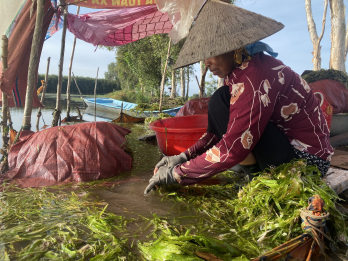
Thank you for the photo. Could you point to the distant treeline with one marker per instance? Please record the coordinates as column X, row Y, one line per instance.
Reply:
column 86, row 85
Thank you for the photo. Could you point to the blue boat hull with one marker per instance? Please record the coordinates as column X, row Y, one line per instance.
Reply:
column 110, row 109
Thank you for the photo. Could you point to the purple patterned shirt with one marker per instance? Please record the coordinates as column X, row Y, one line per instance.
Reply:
column 262, row 90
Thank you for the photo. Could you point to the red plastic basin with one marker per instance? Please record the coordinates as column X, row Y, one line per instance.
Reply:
column 175, row 135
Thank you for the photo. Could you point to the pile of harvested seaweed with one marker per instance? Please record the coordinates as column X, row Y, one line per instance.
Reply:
column 331, row 74
column 36, row 224
column 264, row 214
column 157, row 117
column 219, row 222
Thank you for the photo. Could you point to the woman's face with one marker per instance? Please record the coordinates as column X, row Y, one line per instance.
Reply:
column 221, row 65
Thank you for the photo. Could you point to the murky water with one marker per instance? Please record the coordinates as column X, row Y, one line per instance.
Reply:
column 127, row 198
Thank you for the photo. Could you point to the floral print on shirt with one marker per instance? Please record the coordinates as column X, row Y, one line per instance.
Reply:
column 262, row 90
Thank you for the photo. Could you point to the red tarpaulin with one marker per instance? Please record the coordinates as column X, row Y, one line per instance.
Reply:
column 111, row 4
column 335, row 93
column 81, row 152
column 194, row 106
column 14, row 80
column 119, row 27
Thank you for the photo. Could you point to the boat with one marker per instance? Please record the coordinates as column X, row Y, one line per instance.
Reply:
column 111, row 109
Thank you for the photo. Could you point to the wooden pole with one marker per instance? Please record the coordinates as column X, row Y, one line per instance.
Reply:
column 43, row 92
column 78, row 88
column 164, row 76
column 69, row 76
column 57, row 111
column 33, row 62
column 4, row 95
column 95, row 96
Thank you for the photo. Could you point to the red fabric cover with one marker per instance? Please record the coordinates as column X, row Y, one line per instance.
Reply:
column 120, row 26
column 81, row 152
column 13, row 81
column 193, row 107
column 335, row 93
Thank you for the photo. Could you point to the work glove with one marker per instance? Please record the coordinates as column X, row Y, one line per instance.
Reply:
column 171, row 161
column 164, row 176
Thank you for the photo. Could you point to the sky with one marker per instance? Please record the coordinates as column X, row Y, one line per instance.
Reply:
column 293, row 43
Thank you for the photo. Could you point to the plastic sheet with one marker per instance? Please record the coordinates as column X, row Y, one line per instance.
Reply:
column 194, row 106
column 335, row 93
column 81, row 152
column 181, row 14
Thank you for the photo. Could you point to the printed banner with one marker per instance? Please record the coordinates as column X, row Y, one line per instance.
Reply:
column 111, row 4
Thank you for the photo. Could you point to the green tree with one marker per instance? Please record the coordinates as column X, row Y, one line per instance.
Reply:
column 139, row 65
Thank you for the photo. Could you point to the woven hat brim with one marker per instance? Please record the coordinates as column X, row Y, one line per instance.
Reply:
column 221, row 28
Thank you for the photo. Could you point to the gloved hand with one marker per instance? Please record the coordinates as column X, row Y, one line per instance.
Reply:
column 170, row 161
column 164, row 176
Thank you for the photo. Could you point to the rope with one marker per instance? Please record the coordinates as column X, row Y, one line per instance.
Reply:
column 315, row 225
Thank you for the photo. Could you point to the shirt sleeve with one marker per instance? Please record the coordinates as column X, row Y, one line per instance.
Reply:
column 251, row 106
column 207, row 141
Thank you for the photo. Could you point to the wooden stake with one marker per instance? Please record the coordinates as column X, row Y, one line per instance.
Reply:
column 4, row 95
column 57, row 111
column 43, row 93
column 164, row 76
column 33, row 62
column 95, row 96
column 78, row 88
column 69, row 76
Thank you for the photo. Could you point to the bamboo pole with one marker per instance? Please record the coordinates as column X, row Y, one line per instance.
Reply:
column 43, row 92
column 69, row 76
column 33, row 62
column 164, row 76
column 95, row 96
column 4, row 95
column 78, row 88
column 57, row 111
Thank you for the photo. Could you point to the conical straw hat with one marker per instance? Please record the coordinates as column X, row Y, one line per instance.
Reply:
column 221, row 28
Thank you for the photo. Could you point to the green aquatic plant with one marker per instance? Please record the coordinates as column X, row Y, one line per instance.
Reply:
column 161, row 116
column 264, row 213
column 37, row 224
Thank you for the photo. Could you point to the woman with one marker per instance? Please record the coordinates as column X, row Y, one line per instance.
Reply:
column 266, row 114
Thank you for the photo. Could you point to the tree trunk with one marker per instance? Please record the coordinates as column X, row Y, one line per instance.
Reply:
column 173, row 93
column 188, row 82
column 4, row 95
column 164, row 76
column 202, row 85
column 43, row 93
column 313, row 33
column 338, row 32
column 57, row 111
column 33, row 62
column 69, row 75
column 182, row 76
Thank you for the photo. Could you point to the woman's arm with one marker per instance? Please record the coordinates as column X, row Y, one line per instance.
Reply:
column 251, row 106
column 207, row 141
